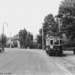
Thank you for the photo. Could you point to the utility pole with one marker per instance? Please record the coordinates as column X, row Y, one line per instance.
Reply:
column 59, row 24
column 10, row 39
column 42, row 39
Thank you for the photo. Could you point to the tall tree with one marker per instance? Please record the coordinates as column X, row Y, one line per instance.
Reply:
column 67, row 16
column 39, row 41
column 22, row 37
column 31, row 36
column 29, row 40
column 3, row 40
column 50, row 26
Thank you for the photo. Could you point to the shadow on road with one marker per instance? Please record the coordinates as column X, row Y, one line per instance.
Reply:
column 69, row 54
column 63, row 55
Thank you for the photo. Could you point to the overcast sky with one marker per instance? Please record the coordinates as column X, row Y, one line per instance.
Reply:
column 29, row 14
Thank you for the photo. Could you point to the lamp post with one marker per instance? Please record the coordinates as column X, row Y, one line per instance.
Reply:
column 3, row 26
column 3, row 33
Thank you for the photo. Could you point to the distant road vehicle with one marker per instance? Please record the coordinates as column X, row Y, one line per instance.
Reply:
column 54, row 45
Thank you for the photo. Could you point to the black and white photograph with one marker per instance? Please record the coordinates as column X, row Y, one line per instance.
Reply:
column 37, row 37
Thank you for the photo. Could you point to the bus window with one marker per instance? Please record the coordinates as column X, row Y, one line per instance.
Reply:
column 60, row 42
column 51, row 41
column 56, row 42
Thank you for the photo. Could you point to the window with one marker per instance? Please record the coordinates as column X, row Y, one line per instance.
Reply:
column 56, row 42
column 60, row 42
column 51, row 41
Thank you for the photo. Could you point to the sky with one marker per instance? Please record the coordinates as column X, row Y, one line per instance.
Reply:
column 28, row 14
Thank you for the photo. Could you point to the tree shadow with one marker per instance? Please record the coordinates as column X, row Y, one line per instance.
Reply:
column 62, row 55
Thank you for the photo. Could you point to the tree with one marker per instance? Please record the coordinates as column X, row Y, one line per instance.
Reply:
column 40, row 31
column 28, row 40
column 39, row 40
column 30, row 35
column 50, row 26
column 22, row 37
column 25, row 38
column 3, row 40
column 67, row 16
column 15, row 44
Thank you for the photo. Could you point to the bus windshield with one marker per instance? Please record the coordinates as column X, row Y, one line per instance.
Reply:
column 60, row 42
column 51, row 42
column 56, row 42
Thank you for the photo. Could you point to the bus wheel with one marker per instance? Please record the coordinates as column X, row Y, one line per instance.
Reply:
column 50, row 54
column 46, row 51
column 59, row 54
column 74, row 50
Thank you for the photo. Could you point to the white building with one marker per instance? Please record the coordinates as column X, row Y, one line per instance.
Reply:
column 12, row 40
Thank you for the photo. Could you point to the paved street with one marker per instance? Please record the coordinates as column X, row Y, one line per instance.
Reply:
column 35, row 62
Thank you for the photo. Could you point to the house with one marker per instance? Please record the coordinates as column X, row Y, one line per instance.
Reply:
column 13, row 41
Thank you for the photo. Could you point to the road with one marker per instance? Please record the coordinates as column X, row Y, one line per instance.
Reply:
column 35, row 62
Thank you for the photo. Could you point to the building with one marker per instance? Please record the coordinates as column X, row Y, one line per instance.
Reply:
column 13, row 41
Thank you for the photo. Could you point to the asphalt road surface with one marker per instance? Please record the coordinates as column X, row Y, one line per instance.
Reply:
column 35, row 62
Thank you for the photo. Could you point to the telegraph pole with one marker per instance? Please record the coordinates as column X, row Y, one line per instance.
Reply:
column 42, row 39
column 10, row 39
column 59, row 24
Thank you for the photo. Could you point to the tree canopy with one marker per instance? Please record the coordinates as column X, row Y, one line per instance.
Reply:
column 29, row 40
column 67, row 16
column 3, row 40
column 50, row 26
column 25, row 38
column 22, row 37
column 39, row 41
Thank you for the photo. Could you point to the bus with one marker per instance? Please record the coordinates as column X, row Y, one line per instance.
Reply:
column 54, row 45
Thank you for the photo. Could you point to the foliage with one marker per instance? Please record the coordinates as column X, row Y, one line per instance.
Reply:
column 31, row 36
column 22, row 37
column 50, row 26
column 25, row 38
column 15, row 44
column 35, row 45
column 67, row 16
column 3, row 40
column 28, row 40
column 40, row 31
column 39, row 41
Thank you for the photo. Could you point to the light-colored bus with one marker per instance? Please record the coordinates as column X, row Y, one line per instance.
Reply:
column 54, row 45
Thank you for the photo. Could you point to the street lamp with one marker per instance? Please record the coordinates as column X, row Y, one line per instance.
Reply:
column 3, row 33
column 3, row 26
